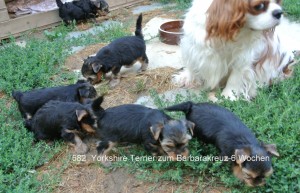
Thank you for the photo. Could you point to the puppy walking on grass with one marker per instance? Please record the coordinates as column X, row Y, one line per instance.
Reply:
column 217, row 125
column 124, row 51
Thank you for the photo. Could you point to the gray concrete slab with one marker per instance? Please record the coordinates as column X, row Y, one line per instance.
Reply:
column 94, row 30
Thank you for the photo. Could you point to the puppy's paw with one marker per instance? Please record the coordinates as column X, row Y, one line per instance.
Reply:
column 183, row 79
column 141, row 70
column 81, row 148
column 143, row 67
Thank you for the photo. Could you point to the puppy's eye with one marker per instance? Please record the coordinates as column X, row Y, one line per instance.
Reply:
column 259, row 7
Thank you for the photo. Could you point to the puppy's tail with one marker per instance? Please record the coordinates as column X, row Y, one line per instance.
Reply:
column 138, row 29
column 17, row 95
column 96, row 105
column 59, row 3
column 185, row 107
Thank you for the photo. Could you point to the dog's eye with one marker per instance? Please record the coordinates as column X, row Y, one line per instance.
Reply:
column 259, row 7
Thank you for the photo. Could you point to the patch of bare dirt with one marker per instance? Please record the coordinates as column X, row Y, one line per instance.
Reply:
column 86, row 176
column 75, row 61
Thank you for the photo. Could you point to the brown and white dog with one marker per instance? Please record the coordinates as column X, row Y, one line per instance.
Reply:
column 233, row 45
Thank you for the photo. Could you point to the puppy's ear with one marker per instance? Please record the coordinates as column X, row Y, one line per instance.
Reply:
column 190, row 125
column 241, row 155
column 156, row 130
column 80, row 114
column 271, row 148
column 96, row 67
column 96, row 105
column 83, row 92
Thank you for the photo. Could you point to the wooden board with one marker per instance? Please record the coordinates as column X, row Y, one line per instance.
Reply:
column 14, row 27
column 28, row 22
column 2, row 4
column 116, row 4
column 3, row 15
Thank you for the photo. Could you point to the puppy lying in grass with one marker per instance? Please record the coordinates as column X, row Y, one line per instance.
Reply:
column 81, row 10
column 159, row 134
column 213, row 124
column 124, row 51
column 29, row 102
column 67, row 120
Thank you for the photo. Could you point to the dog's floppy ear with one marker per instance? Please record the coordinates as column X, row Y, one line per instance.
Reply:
column 96, row 3
column 84, row 92
column 80, row 114
column 190, row 125
column 241, row 155
column 156, row 130
column 271, row 148
column 96, row 67
column 225, row 19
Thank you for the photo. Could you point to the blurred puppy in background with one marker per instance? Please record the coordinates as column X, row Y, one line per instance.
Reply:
column 81, row 10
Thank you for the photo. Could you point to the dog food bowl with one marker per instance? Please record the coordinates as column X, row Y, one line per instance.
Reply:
column 170, row 32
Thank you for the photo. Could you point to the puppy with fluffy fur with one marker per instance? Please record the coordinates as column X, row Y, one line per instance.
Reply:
column 124, row 51
column 233, row 45
column 251, row 158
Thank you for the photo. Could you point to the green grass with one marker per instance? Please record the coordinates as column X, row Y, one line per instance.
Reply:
column 180, row 4
column 291, row 9
column 273, row 116
column 38, row 64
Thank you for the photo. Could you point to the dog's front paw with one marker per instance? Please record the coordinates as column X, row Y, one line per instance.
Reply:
column 183, row 79
column 229, row 94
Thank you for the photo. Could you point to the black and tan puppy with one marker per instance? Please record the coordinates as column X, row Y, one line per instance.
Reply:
column 81, row 10
column 29, row 102
column 67, row 120
column 217, row 125
column 93, row 8
column 132, row 123
column 124, row 51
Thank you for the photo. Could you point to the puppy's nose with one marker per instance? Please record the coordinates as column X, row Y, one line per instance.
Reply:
column 277, row 13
